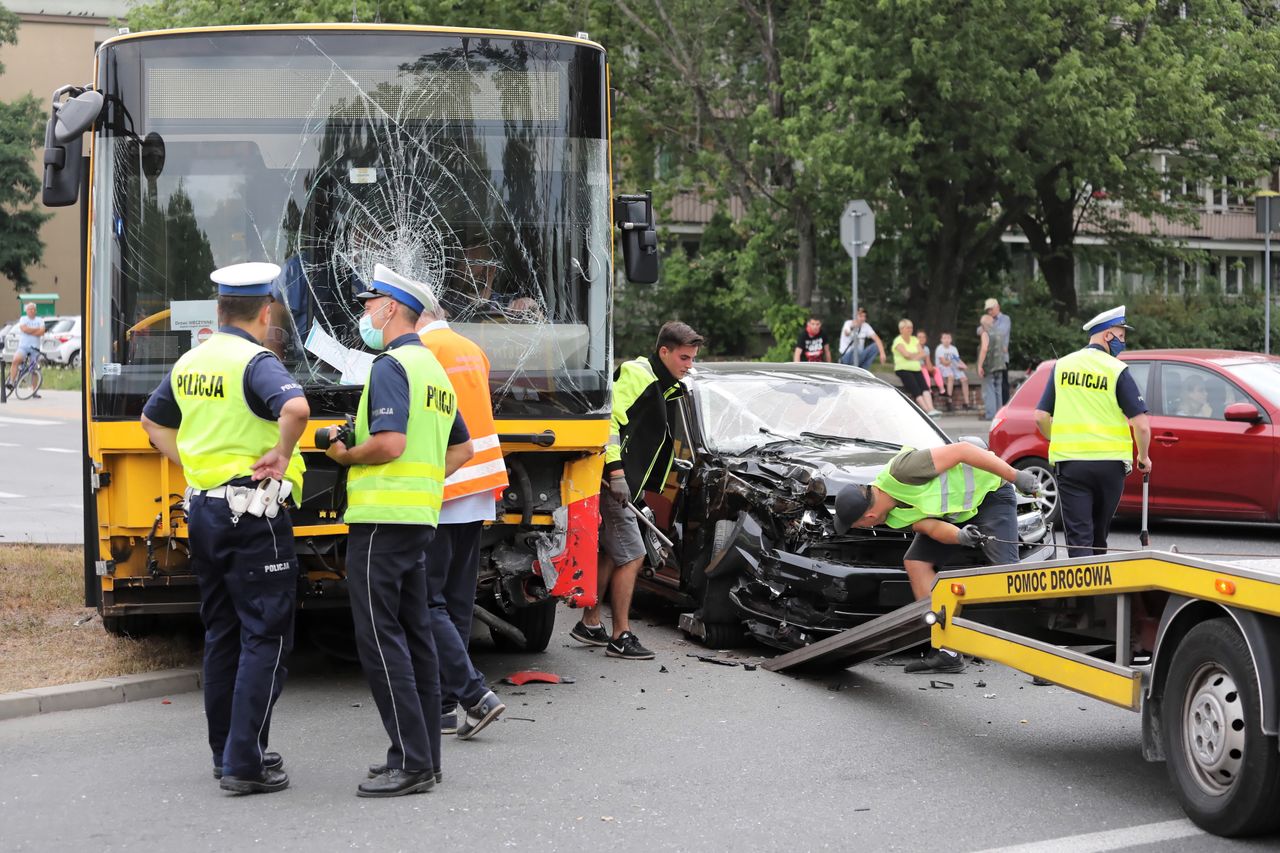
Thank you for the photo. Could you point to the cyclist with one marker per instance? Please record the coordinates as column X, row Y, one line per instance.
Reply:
column 30, row 330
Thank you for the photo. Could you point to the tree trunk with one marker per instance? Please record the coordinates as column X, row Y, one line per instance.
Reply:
column 1060, row 272
column 806, row 252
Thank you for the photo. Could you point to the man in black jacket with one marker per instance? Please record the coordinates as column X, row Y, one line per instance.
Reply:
column 637, row 459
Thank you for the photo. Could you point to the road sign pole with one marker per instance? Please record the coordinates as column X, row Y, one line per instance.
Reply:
column 1266, row 277
column 853, row 310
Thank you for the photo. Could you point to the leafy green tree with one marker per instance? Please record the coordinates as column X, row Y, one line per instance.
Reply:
column 1114, row 90
column 21, row 130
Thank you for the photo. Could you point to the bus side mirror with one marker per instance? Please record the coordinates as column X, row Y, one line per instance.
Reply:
column 63, row 145
column 634, row 215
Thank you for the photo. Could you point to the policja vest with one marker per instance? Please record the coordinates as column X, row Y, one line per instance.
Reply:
column 220, row 437
column 912, row 346
column 954, row 495
column 468, row 370
column 1088, row 423
column 409, row 489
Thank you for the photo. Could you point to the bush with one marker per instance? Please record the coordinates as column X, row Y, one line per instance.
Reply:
column 785, row 320
column 1197, row 320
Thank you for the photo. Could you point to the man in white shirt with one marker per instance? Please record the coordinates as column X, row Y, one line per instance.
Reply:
column 854, row 349
column 30, row 329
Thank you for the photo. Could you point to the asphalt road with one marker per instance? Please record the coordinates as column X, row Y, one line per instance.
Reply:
column 41, row 498
column 629, row 757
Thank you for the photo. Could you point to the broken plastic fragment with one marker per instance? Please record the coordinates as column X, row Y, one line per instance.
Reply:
column 536, row 676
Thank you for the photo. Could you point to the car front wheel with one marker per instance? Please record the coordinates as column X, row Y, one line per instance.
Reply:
column 1048, row 498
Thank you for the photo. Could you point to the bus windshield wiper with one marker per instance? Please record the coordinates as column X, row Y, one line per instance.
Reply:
column 866, row 442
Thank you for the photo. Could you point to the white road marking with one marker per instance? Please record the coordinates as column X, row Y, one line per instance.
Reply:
column 9, row 495
column 1111, row 839
column 29, row 422
column 9, row 444
column 59, row 449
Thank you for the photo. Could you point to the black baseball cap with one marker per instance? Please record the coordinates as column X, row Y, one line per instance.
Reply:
column 851, row 505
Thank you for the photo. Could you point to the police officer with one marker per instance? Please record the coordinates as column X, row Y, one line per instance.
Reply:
column 1086, row 411
column 933, row 491
column 230, row 414
column 409, row 437
column 453, row 557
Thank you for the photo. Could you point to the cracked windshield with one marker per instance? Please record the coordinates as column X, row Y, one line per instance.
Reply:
column 739, row 414
column 475, row 165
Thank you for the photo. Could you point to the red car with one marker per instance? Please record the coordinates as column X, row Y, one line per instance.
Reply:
column 1214, row 440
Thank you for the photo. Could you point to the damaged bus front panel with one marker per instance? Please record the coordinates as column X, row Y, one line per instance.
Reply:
column 476, row 163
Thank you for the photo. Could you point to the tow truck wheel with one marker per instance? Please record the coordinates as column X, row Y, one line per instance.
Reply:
column 1226, row 771
column 537, row 621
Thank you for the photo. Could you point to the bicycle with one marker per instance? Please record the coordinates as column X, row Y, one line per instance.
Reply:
column 30, row 377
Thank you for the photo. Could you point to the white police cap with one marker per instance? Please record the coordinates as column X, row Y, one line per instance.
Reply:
column 1107, row 320
column 245, row 279
column 388, row 282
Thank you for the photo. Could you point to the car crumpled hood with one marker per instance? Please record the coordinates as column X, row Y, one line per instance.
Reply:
column 839, row 465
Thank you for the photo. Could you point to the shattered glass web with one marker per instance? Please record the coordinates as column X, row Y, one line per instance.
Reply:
column 395, row 166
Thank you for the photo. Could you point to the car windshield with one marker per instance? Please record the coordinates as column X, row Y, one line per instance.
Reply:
column 1262, row 376
column 63, row 326
column 738, row 413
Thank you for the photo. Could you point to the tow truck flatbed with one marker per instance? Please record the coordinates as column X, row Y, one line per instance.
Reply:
column 1205, row 679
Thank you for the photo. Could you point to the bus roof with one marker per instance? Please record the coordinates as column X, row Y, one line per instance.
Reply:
column 336, row 27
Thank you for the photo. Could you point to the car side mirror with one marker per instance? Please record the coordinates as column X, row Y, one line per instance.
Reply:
column 977, row 441
column 1242, row 412
column 634, row 215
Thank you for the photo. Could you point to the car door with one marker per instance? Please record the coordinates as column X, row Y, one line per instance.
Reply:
column 1202, row 464
column 1143, row 375
column 669, row 505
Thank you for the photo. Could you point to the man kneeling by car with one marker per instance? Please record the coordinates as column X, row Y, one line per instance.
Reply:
column 932, row 491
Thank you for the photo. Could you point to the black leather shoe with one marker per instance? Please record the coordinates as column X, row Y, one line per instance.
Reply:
column 379, row 769
column 397, row 783
column 270, row 761
column 268, row 782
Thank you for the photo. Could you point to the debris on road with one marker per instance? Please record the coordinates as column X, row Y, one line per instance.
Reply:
column 713, row 659
column 536, row 676
column 941, row 685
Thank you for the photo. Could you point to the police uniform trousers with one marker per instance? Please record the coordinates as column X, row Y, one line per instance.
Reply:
column 248, row 576
column 453, row 562
column 1089, row 493
column 387, row 585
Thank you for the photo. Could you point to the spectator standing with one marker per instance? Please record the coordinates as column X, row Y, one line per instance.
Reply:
column 1004, row 326
column 993, row 360
column 908, row 359
column 812, row 345
column 948, row 358
column 854, row 347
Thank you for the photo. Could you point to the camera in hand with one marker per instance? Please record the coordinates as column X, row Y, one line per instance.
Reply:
column 346, row 434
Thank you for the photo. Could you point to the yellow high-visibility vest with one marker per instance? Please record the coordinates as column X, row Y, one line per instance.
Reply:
column 409, row 489
column 1088, row 423
column 220, row 437
column 954, row 495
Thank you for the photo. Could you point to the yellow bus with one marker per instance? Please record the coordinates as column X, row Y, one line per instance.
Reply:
column 476, row 161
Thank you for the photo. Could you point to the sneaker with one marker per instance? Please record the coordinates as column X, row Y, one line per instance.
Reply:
column 628, row 646
column 934, row 413
column 480, row 715
column 937, row 660
column 449, row 721
column 591, row 635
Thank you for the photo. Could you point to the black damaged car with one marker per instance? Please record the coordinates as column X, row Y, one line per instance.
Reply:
column 761, row 452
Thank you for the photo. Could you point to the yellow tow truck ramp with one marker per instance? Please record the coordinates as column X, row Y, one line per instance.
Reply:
column 1191, row 644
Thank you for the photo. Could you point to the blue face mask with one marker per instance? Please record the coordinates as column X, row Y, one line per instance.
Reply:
column 1115, row 346
column 371, row 335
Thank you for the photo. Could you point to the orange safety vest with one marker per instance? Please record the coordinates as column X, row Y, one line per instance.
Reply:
column 468, row 369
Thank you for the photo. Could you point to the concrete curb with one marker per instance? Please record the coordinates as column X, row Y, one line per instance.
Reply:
column 94, row 694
